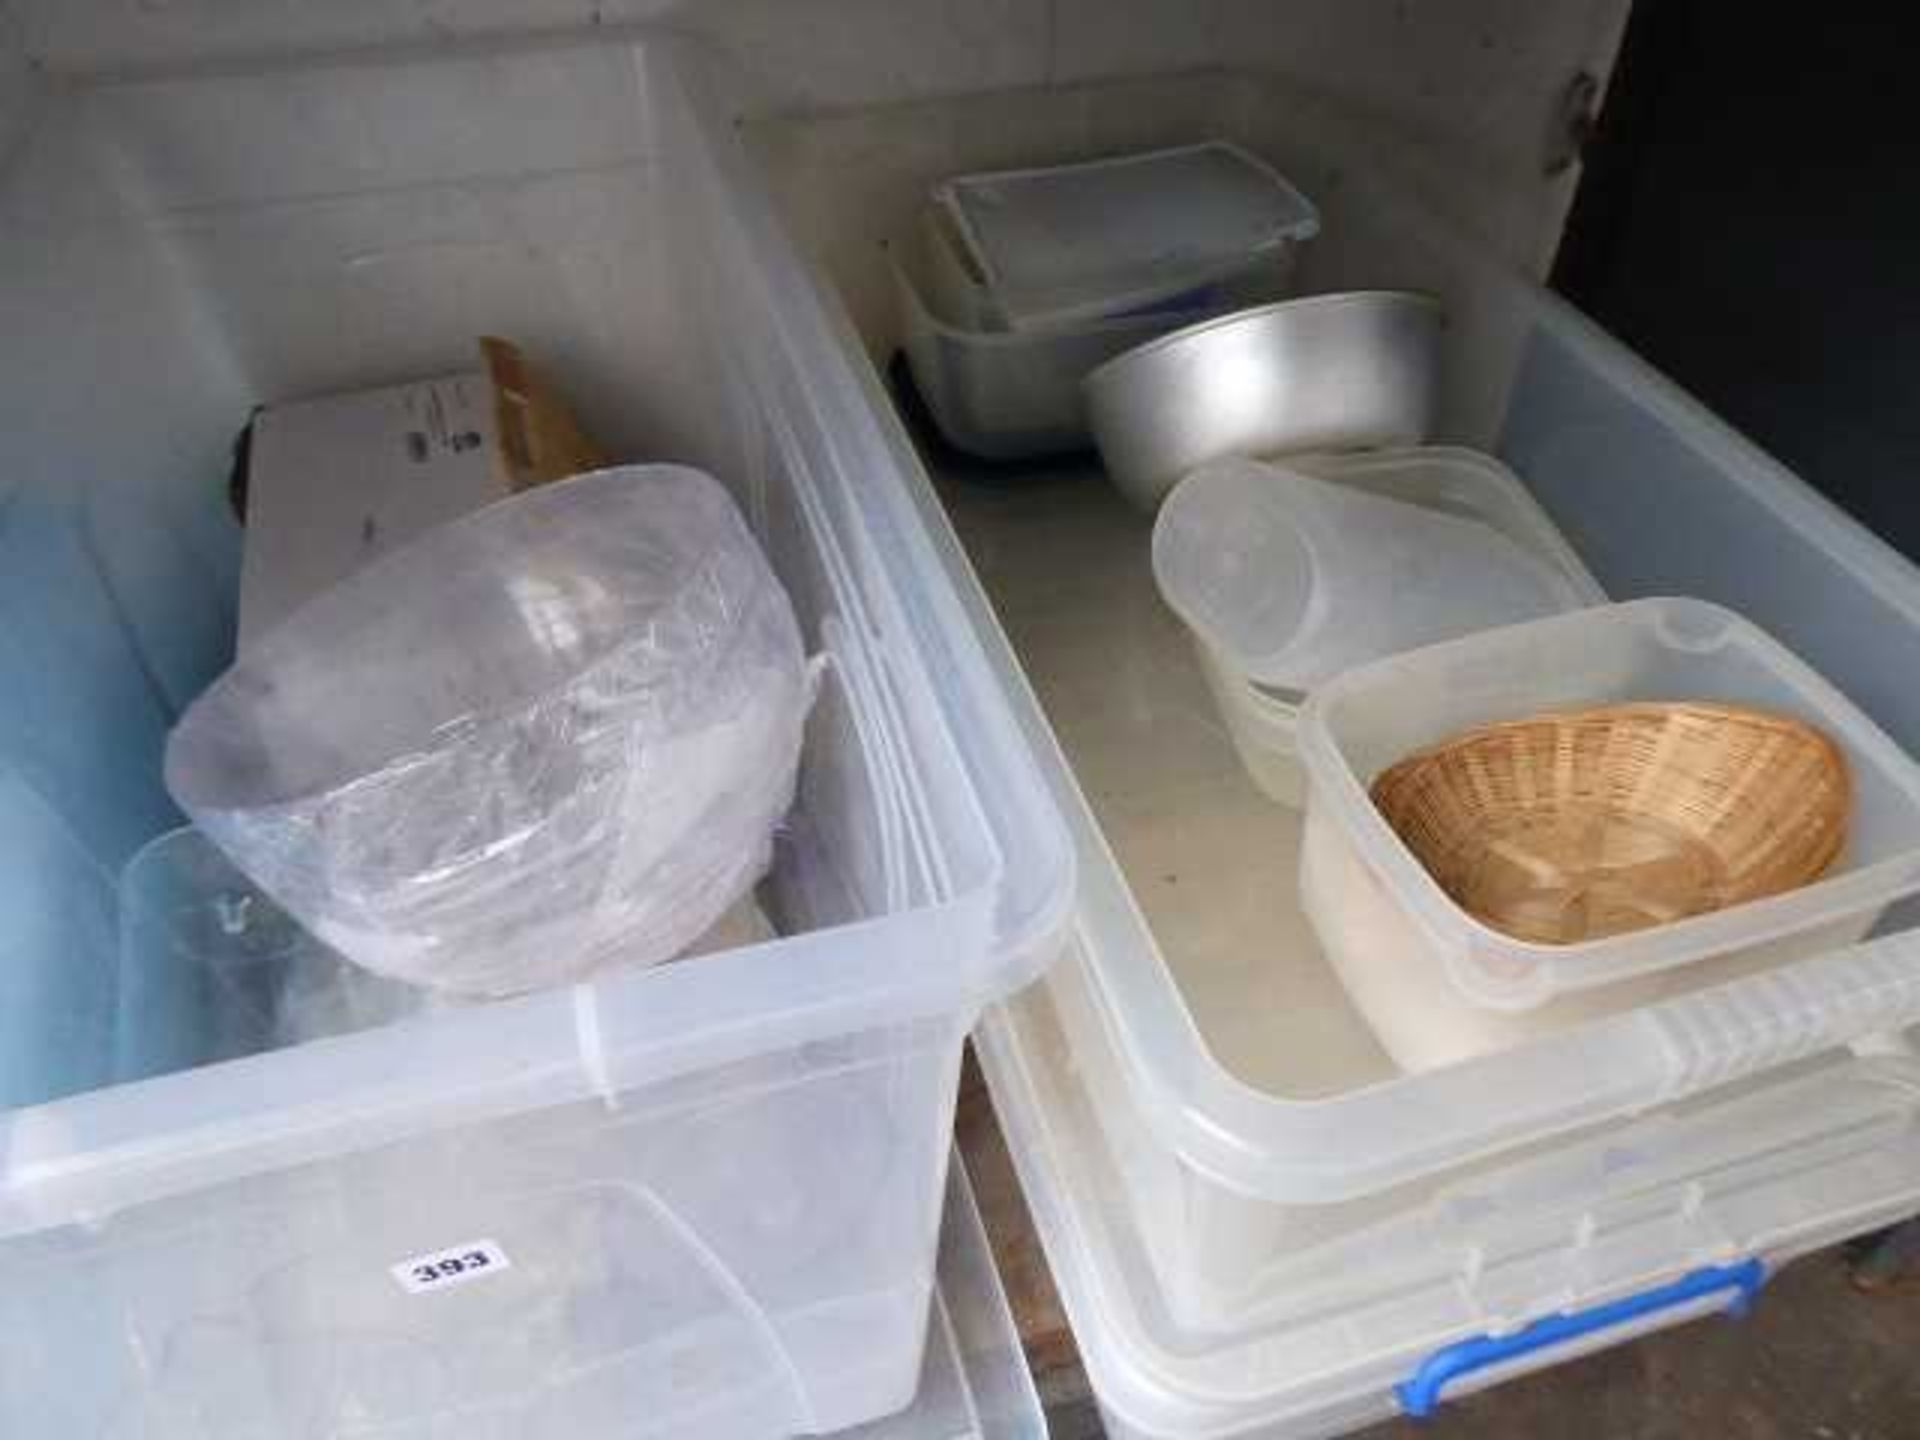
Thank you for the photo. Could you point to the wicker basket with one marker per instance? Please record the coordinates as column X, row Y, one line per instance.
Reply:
column 1581, row 824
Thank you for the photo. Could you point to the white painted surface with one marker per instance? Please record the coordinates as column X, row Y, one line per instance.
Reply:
column 1471, row 84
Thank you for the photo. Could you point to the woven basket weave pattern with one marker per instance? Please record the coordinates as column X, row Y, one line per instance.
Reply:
column 1574, row 826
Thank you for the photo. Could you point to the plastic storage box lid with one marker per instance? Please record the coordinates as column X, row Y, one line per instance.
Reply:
column 1358, row 724
column 1071, row 242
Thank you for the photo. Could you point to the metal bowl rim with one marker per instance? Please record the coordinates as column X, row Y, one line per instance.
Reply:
column 1418, row 298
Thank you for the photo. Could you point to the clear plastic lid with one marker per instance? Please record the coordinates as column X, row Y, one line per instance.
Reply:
column 1075, row 241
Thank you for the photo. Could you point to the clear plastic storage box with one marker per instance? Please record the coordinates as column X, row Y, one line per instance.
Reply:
column 1276, row 1228
column 704, row 1197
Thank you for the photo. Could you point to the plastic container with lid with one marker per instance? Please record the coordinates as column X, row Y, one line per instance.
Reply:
column 1454, row 481
column 1103, row 238
column 553, row 734
column 1005, row 394
column 1392, row 931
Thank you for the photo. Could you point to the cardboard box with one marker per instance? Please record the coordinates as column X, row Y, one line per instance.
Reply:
column 335, row 482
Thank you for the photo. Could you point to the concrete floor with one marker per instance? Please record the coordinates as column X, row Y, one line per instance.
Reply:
column 1816, row 1359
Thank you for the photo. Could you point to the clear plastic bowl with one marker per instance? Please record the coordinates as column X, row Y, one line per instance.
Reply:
column 551, row 734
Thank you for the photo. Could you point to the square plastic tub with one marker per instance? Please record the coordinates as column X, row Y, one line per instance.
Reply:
column 1152, row 230
column 1005, row 394
column 706, row 1196
column 1263, row 722
column 1391, row 930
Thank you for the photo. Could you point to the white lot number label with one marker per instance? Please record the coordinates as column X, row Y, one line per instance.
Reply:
column 456, row 1265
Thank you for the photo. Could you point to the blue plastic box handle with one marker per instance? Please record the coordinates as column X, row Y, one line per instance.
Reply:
column 1419, row 1395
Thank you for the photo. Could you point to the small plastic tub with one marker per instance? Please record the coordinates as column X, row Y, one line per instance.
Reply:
column 1006, row 395
column 1294, row 579
column 1263, row 724
column 1263, row 721
column 1422, row 970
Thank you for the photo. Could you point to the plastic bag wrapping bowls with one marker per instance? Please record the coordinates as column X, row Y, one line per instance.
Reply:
column 555, row 733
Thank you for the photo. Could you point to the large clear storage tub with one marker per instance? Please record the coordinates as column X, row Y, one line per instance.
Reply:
column 698, row 1200
column 1262, row 1141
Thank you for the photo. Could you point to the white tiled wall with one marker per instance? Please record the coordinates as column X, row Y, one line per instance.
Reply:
column 1471, row 83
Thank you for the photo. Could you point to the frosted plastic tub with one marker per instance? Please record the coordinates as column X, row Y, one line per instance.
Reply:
column 1010, row 395
column 1256, row 1178
column 704, row 1196
column 1152, row 230
column 1388, row 925
column 1745, row 1182
column 1264, row 723
column 1294, row 579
